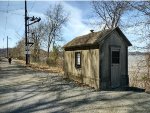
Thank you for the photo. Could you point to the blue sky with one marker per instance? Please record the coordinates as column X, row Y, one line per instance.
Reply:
column 12, row 19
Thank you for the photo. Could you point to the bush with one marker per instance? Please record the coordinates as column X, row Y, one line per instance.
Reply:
column 51, row 62
column 20, row 58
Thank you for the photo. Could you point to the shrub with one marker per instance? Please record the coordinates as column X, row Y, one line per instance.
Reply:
column 20, row 57
column 51, row 61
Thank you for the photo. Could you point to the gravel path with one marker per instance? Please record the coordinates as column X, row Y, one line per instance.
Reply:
column 23, row 90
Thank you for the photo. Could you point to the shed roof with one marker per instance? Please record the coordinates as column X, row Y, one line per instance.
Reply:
column 94, row 38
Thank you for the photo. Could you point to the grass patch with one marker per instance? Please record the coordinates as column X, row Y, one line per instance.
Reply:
column 42, row 67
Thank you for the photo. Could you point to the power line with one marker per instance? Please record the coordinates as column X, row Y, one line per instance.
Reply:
column 19, row 28
column 28, row 14
column 19, row 36
column 2, row 5
column 27, row 24
column 6, row 17
column 10, row 12
column 32, row 6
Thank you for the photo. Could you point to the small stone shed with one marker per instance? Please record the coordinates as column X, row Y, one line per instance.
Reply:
column 98, row 59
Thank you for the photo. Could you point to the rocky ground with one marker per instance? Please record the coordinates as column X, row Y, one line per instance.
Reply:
column 24, row 90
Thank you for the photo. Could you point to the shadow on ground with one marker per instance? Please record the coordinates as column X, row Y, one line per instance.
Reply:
column 23, row 90
column 133, row 89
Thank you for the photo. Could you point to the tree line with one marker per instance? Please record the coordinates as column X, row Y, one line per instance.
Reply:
column 109, row 14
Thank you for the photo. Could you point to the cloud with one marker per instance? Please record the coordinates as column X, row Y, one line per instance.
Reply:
column 76, row 25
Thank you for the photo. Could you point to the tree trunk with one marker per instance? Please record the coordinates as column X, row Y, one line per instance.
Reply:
column 48, row 48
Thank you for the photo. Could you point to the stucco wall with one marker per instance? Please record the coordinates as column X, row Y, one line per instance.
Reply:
column 113, row 40
column 89, row 71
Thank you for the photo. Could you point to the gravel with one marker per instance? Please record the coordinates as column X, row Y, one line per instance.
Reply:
column 24, row 90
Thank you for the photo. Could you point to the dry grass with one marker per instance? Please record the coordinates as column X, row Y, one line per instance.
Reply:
column 147, row 89
column 42, row 67
column 139, row 80
column 138, row 72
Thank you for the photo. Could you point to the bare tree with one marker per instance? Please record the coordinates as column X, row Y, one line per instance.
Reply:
column 18, row 51
column 56, row 18
column 143, row 8
column 37, row 37
column 109, row 13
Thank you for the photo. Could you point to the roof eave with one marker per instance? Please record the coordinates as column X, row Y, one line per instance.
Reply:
column 120, row 32
column 125, row 38
column 95, row 45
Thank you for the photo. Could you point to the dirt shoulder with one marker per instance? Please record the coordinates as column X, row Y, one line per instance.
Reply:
column 41, row 67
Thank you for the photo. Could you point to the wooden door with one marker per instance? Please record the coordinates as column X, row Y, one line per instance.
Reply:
column 115, row 67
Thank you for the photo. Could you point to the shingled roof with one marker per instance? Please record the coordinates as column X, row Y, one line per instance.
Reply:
column 93, row 38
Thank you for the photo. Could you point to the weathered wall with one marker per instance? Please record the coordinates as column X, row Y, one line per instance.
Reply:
column 89, row 71
column 113, row 40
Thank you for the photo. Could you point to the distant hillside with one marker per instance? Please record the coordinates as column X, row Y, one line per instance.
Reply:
column 3, row 52
column 137, row 53
column 43, row 53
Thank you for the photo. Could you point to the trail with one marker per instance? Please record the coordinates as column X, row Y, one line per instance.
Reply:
column 23, row 90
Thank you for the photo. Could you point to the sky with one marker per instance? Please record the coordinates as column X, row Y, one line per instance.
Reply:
column 12, row 19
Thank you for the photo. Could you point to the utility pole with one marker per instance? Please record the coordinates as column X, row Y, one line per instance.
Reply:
column 7, row 46
column 26, row 40
column 27, row 24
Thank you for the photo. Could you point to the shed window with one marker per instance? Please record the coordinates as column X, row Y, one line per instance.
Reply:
column 77, row 59
column 115, row 57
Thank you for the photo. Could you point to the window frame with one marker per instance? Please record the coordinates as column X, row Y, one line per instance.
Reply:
column 76, row 59
column 117, row 58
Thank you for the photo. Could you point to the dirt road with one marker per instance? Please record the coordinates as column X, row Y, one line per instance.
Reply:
column 23, row 90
